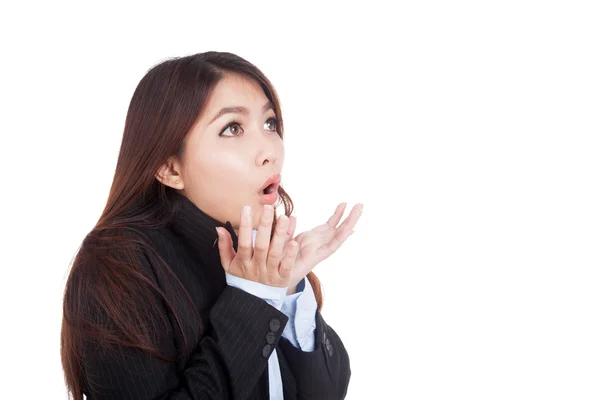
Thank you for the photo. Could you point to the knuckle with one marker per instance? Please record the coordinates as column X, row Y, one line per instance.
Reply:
column 264, row 223
column 274, row 259
column 261, row 247
column 282, row 223
column 270, row 266
column 286, row 266
column 243, row 246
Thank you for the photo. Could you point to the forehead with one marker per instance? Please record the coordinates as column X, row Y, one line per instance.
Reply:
column 236, row 91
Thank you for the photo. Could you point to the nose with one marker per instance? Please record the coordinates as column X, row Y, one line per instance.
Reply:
column 266, row 153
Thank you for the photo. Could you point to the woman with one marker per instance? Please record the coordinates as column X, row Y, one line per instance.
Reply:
column 168, row 296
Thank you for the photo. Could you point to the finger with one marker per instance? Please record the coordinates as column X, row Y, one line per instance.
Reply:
column 226, row 251
column 352, row 218
column 263, row 235
column 291, row 226
column 341, row 233
column 278, row 243
column 245, row 235
column 334, row 220
column 288, row 260
column 334, row 244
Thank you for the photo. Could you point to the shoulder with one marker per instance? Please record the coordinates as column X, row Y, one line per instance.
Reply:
column 110, row 264
column 112, row 282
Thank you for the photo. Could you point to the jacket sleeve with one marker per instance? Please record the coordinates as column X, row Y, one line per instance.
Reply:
column 227, row 363
column 323, row 373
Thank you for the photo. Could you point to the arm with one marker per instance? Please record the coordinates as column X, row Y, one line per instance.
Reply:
column 300, row 308
column 319, row 361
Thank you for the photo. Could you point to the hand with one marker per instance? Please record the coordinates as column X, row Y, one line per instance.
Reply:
column 319, row 243
column 269, row 262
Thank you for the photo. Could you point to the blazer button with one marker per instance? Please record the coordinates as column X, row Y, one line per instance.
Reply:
column 271, row 337
column 274, row 325
column 266, row 351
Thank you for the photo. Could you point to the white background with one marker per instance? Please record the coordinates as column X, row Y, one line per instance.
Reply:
column 470, row 131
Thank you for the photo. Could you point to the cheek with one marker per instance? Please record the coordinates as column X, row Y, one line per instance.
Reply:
column 218, row 183
column 221, row 171
column 281, row 149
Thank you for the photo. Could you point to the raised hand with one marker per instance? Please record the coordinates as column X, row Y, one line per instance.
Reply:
column 321, row 242
column 269, row 262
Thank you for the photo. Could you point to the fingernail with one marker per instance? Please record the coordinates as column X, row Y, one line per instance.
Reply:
column 218, row 232
column 266, row 208
column 246, row 211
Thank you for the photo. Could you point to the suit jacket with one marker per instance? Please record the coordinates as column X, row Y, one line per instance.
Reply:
column 232, row 340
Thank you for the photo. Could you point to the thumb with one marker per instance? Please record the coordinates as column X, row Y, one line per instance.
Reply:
column 226, row 251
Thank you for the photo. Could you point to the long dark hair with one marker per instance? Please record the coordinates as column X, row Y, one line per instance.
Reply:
column 106, row 272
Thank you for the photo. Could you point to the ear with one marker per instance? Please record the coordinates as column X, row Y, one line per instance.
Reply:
column 169, row 174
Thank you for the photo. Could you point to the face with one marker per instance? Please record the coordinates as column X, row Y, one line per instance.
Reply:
column 231, row 152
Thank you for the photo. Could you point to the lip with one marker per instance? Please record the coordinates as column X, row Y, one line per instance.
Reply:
column 273, row 180
column 273, row 195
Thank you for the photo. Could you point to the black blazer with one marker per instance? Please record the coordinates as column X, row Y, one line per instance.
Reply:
column 240, row 331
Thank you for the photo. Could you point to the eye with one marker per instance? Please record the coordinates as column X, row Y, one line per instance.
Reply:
column 233, row 129
column 271, row 124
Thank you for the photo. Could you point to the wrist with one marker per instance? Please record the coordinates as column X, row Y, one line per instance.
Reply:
column 296, row 287
column 292, row 288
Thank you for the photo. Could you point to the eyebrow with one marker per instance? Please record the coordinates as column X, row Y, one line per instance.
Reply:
column 238, row 110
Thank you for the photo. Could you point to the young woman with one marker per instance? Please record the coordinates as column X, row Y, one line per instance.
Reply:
column 190, row 286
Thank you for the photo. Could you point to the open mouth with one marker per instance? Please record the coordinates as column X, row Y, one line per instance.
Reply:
column 270, row 189
column 269, row 194
column 271, row 184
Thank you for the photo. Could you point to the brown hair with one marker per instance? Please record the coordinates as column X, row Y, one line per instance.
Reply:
column 106, row 275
